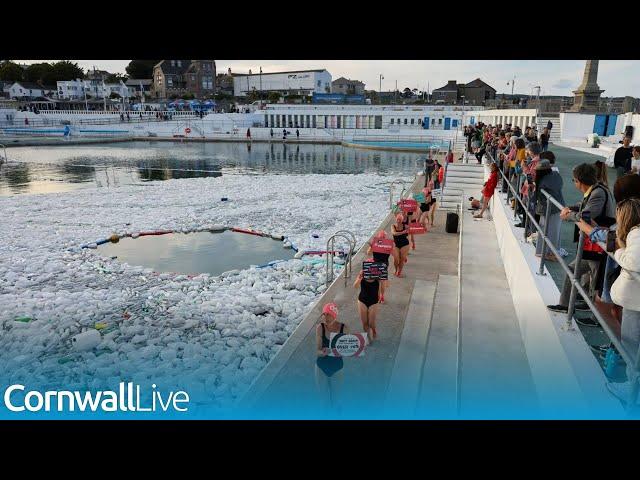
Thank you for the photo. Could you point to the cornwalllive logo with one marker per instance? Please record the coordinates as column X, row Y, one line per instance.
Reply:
column 126, row 399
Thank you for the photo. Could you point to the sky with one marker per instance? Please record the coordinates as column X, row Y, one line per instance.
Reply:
column 555, row 77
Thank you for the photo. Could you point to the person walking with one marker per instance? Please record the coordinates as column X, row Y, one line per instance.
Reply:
column 400, row 233
column 368, row 301
column 544, row 139
column 297, row 134
column 328, row 371
column 429, row 166
column 624, row 291
column 551, row 182
column 271, row 132
column 622, row 157
column 248, row 134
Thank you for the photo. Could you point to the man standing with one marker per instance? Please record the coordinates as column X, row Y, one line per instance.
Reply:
column 622, row 158
column 544, row 139
column 429, row 166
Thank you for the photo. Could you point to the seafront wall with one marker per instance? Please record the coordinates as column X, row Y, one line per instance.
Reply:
column 562, row 364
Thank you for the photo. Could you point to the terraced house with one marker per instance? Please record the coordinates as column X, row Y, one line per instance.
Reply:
column 174, row 78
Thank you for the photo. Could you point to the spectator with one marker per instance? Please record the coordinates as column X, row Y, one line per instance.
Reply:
column 599, row 204
column 297, row 134
column 488, row 190
column 551, row 182
column 449, row 158
column 271, row 132
column 622, row 157
column 635, row 161
column 248, row 134
column 601, row 169
column 624, row 291
column 544, row 139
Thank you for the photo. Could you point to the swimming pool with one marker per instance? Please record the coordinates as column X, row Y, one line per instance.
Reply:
column 397, row 145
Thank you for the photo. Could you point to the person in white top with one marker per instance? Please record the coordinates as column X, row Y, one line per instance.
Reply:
column 625, row 291
column 635, row 160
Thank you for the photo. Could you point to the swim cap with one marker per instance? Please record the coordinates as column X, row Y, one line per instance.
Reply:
column 330, row 309
column 399, row 217
column 381, row 234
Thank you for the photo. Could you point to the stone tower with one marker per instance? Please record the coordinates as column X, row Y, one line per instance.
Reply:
column 587, row 96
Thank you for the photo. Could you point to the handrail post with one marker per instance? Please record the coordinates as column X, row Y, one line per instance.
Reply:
column 572, row 297
column 547, row 215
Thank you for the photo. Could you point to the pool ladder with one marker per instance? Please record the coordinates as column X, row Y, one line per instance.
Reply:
column 351, row 240
column 404, row 189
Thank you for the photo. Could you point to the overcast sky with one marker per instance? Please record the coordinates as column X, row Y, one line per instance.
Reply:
column 555, row 77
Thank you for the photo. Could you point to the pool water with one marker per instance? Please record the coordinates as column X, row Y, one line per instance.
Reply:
column 194, row 253
column 421, row 146
column 33, row 170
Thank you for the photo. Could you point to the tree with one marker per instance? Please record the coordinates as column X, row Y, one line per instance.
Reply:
column 64, row 70
column 114, row 95
column 188, row 96
column 10, row 72
column 115, row 78
column 274, row 97
column 38, row 73
column 406, row 93
column 141, row 68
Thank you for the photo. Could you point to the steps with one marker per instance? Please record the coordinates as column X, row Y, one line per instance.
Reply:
column 556, row 134
column 468, row 177
column 423, row 379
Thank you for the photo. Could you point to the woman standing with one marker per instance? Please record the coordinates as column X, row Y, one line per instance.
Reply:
column 551, row 182
column 488, row 190
column 601, row 169
column 400, row 233
column 368, row 303
column 624, row 291
column 381, row 258
column 328, row 369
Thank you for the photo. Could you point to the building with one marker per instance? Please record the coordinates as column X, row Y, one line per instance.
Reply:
column 347, row 86
column 137, row 86
column 175, row 78
column 447, row 95
column 476, row 92
column 76, row 89
column 224, row 83
column 302, row 82
column 201, row 78
column 337, row 98
column 28, row 91
column 99, row 75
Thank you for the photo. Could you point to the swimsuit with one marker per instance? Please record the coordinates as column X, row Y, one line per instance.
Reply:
column 329, row 365
column 400, row 240
column 381, row 257
column 369, row 292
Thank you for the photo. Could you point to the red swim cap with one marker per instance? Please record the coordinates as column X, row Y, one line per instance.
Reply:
column 330, row 309
column 381, row 234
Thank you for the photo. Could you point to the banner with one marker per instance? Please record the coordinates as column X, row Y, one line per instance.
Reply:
column 408, row 205
column 415, row 228
column 375, row 270
column 347, row 344
column 382, row 245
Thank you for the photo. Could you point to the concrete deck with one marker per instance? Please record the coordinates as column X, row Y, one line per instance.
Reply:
column 287, row 386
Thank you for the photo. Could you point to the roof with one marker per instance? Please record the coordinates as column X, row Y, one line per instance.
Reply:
column 277, row 73
column 477, row 83
column 35, row 86
column 135, row 82
column 346, row 80
column 451, row 86
column 165, row 66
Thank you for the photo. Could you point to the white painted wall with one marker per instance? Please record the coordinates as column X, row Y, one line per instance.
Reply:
column 576, row 126
column 282, row 81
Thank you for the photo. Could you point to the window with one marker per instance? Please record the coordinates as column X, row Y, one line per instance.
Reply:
column 433, row 121
column 392, row 121
column 398, row 121
column 179, row 63
column 439, row 121
column 319, row 83
column 405, row 121
column 412, row 120
column 419, row 121
column 173, row 63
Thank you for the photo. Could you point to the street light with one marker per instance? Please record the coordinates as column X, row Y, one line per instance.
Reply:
column 380, row 91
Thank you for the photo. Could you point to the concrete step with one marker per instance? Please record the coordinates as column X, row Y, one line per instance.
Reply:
column 437, row 395
column 404, row 383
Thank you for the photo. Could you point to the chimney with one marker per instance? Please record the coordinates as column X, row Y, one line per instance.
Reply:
column 249, row 71
column 229, row 71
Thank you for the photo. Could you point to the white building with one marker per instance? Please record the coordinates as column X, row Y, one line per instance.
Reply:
column 27, row 90
column 303, row 82
column 388, row 117
column 76, row 89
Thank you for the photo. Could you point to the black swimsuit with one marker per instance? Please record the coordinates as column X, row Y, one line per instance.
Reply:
column 381, row 257
column 329, row 365
column 369, row 291
column 400, row 240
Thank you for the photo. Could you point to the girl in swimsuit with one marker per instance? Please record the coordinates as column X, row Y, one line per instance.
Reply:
column 400, row 233
column 412, row 217
column 425, row 207
column 368, row 303
column 380, row 257
column 328, row 369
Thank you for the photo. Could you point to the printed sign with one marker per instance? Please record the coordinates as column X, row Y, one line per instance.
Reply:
column 347, row 344
column 415, row 228
column 419, row 197
column 382, row 245
column 373, row 270
column 408, row 205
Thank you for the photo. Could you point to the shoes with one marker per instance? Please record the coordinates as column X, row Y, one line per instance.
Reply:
column 558, row 308
column 587, row 322
column 519, row 225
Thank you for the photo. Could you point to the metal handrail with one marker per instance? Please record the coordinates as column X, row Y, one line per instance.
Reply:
column 397, row 180
column 5, row 158
column 576, row 287
column 330, row 255
column 353, row 238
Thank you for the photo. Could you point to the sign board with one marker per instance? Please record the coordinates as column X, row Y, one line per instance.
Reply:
column 382, row 245
column 419, row 197
column 375, row 270
column 347, row 344
column 187, row 130
column 408, row 205
column 415, row 228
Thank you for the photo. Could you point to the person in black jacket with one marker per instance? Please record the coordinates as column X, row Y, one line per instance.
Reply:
column 622, row 158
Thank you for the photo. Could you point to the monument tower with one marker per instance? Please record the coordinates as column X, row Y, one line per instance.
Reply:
column 587, row 96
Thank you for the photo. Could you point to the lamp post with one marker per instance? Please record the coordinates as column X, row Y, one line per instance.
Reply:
column 260, row 86
column 380, row 91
